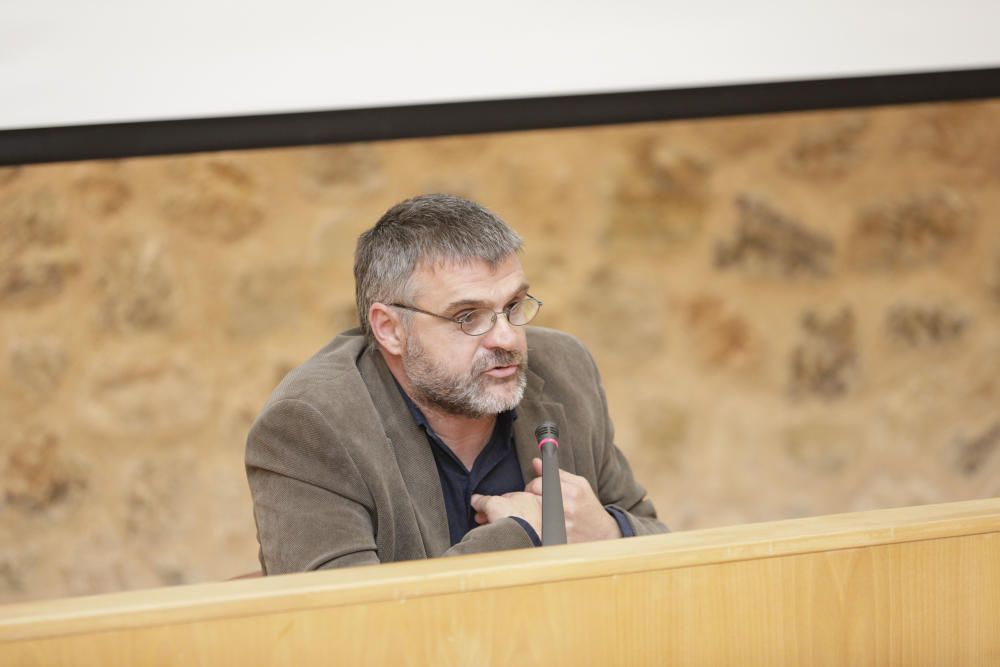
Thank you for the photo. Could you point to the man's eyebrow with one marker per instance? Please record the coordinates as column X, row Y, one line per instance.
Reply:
column 479, row 303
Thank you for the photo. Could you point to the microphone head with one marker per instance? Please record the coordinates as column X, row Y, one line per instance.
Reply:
column 547, row 430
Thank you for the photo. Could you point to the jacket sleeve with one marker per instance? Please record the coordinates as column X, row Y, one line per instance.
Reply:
column 311, row 505
column 616, row 485
column 498, row 536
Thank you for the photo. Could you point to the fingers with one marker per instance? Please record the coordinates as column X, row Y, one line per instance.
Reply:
column 537, row 465
column 567, row 479
column 485, row 506
column 491, row 508
column 520, row 495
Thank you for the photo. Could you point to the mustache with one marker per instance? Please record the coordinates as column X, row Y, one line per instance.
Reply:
column 496, row 358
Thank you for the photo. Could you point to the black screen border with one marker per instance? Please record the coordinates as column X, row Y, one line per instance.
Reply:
column 147, row 138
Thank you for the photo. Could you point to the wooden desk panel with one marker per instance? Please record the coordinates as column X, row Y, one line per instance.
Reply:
column 912, row 586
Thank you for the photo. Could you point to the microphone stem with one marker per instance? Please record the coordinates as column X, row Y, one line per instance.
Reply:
column 553, row 518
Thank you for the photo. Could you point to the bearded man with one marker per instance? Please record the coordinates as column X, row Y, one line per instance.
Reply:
column 412, row 436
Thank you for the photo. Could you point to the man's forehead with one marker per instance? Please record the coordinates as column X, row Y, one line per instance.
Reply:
column 451, row 280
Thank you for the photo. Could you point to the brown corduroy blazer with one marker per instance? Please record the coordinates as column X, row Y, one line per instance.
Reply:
column 341, row 474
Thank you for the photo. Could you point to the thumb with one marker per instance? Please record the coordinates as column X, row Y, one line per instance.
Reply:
column 537, row 464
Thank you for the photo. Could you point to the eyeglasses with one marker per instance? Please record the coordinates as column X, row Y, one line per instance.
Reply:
column 481, row 320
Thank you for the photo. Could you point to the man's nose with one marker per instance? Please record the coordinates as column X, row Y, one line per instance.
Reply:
column 503, row 333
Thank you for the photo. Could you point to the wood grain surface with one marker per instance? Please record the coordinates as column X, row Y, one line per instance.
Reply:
column 909, row 586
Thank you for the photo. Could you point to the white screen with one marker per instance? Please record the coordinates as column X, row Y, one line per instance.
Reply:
column 65, row 62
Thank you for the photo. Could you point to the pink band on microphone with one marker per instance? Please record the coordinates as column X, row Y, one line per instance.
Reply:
column 544, row 440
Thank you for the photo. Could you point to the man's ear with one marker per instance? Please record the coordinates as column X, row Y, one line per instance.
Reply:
column 387, row 328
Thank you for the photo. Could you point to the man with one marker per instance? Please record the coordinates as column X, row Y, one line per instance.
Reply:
column 412, row 437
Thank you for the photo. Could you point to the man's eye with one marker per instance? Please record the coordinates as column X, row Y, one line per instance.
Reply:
column 464, row 315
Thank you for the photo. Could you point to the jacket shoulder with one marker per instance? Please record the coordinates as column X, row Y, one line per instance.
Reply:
column 556, row 355
column 554, row 341
column 321, row 408
column 331, row 370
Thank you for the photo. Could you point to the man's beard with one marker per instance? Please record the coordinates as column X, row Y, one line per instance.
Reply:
column 465, row 395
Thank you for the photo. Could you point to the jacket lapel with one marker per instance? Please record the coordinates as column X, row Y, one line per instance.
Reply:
column 530, row 414
column 413, row 454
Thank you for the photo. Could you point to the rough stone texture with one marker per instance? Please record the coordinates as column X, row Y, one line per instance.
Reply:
column 213, row 198
column 722, row 339
column 263, row 300
column 794, row 314
column 8, row 174
column 31, row 219
column 822, row 448
column 36, row 278
column 825, row 363
column 770, row 243
column 661, row 198
column 964, row 136
column 38, row 366
column 139, row 395
column 919, row 325
column 136, row 286
column 103, row 195
column 35, row 265
column 328, row 169
column 918, row 230
column 975, row 452
column 38, row 473
column 610, row 307
column 993, row 281
column 827, row 152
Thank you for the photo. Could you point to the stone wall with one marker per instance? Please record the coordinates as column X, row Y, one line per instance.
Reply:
column 795, row 315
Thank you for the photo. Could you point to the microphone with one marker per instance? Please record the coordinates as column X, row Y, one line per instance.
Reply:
column 553, row 517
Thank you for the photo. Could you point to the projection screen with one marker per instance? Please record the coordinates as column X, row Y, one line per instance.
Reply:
column 290, row 65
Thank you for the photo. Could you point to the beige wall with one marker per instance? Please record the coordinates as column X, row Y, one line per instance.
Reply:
column 795, row 315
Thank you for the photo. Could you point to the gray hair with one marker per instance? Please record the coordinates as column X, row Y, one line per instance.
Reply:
column 422, row 231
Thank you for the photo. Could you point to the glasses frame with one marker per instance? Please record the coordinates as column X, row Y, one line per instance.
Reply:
column 460, row 321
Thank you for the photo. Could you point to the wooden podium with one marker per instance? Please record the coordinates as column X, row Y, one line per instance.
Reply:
column 910, row 586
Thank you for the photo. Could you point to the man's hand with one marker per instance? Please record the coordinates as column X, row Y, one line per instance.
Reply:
column 586, row 518
column 518, row 503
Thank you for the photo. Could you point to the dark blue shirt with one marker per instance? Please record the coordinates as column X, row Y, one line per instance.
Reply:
column 495, row 471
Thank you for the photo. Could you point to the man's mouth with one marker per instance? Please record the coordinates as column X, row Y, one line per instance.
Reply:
column 502, row 371
column 500, row 364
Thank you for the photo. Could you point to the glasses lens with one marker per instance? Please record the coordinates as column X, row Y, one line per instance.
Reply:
column 523, row 311
column 478, row 322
